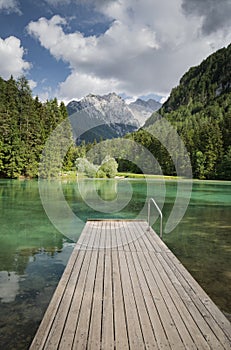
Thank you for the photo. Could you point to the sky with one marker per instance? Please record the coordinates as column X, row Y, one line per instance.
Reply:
column 136, row 48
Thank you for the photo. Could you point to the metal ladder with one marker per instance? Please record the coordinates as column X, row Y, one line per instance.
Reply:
column 152, row 200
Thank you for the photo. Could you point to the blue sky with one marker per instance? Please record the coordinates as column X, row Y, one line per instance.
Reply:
column 70, row 48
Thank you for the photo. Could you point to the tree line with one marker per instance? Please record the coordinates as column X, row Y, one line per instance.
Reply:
column 199, row 109
column 25, row 125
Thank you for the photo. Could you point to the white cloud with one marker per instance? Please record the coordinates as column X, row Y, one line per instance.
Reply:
column 32, row 84
column 9, row 6
column 147, row 48
column 9, row 286
column 215, row 14
column 58, row 2
column 11, row 58
column 97, row 3
column 78, row 85
column 47, row 93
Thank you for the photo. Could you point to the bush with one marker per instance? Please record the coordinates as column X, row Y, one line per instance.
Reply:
column 84, row 166
column 101, row 174
column 109, row 166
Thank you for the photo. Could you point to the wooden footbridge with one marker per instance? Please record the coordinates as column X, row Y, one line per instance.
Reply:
column 124, row 289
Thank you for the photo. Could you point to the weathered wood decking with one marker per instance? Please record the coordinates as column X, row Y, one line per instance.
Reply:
column 124, row 289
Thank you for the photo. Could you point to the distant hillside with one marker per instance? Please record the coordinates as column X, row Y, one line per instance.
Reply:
column 200, row 109
column 200, row 86
column 104, row 117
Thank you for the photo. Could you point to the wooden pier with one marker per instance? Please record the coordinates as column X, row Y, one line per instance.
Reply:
column 124, row 289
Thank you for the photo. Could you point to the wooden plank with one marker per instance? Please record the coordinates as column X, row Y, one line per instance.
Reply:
column 74, row 314
column 124, row 289
column 166, row 290
column 213, row 324
column 188, row 329
column 149, row 297
column 94, row 336
column 135, row 336
column 95, row 328
column 143, row 311
column 203, row 339
column 60, row 292
column 146, row 325
column 107, row 317
column 81, row 334
column 162, row 307
column 175, row 273
column 154, row 305
column 79, row 319
column 120, row 325
column 66, row 318
column 120, row 321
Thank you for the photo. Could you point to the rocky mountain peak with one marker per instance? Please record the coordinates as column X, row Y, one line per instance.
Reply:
column 143, row 109
column 111, row 111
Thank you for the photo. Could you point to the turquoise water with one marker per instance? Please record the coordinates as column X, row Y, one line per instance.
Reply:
column 33, row 253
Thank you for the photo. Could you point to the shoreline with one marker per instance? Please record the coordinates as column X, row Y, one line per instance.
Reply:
column 73, row 176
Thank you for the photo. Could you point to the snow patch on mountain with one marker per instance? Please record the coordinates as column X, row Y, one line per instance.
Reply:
column 142, row 110
column 110, row 113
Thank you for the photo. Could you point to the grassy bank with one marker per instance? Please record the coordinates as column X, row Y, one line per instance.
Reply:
column 147, row 176
column 72, row 175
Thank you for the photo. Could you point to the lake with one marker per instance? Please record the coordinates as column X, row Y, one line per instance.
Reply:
column 34, row 249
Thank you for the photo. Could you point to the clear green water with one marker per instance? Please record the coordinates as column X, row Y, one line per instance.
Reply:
column 33, row 254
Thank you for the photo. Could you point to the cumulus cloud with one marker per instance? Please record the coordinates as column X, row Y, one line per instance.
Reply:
column 96, row 3
column 9, row 286
column 11, row 58
column 9, row 6
column 78, row 85
column 146, row 49
column 58, row 2
column 216, row 14
column 32, row 84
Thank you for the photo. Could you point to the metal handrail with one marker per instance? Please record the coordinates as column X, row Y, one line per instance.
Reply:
column 159, row 211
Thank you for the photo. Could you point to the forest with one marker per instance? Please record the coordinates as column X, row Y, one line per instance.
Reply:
column 25, row 124
column 199, row 109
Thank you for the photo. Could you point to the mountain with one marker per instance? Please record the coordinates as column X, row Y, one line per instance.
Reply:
column 200, row 109
column 95, row 117
column 109, row 116
column 142, row 110
column 200, row 87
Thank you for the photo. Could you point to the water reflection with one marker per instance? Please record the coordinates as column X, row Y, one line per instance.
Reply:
column 202, row 241
column 33, row 254
column 9, row 286
column 25, row 297
column 107, row 190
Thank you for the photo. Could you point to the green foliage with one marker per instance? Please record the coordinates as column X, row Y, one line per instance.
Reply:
column 109, row 167
column 200, row 110
column 100, row 174
column 225, row 169
column 84, row 166
column 25, row 125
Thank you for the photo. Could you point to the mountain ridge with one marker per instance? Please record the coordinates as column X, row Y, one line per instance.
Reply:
column 108, row 116
column 200, row 110
column 202, row 83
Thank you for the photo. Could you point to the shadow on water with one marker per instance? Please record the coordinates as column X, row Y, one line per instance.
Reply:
column 202, row 241
column 33, row 254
